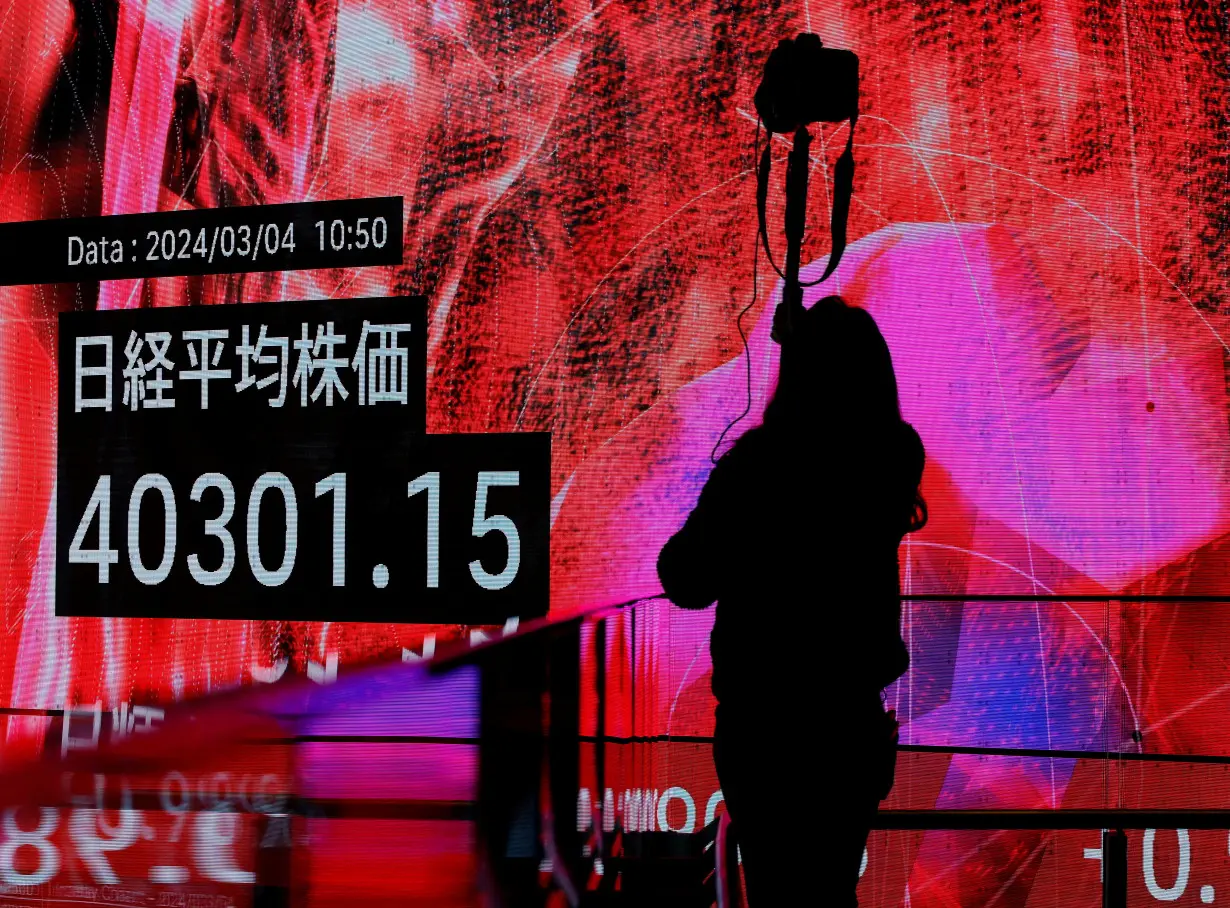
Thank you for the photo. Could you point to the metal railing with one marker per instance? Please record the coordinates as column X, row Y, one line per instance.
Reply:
column 529, row 695
column 1111, row 821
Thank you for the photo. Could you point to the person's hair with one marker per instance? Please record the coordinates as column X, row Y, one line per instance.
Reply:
column 837, row 379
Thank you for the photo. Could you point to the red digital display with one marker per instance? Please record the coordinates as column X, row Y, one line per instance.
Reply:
column 1039, row 226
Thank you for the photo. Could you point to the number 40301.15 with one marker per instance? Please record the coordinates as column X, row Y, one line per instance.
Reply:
column 103, row 556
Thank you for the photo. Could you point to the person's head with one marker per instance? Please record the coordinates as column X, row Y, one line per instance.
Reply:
column 835, row 368
column 836, row 384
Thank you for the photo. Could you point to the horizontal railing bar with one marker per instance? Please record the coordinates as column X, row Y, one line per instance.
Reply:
column 1052, row 819
column 921, row 820
column 1054, row 754
column 1019, row 752
column 1031, row 597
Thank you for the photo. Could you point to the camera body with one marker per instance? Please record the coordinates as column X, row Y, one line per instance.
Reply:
column 806, row 82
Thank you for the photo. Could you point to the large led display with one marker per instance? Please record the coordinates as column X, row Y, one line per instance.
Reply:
column 1040, row 227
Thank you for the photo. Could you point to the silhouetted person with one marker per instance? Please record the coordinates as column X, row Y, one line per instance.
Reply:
column 795, row 537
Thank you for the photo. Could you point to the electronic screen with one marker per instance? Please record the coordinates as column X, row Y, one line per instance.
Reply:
column 1039, row 226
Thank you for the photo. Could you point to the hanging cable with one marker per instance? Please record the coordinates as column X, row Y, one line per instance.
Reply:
column 747, row 349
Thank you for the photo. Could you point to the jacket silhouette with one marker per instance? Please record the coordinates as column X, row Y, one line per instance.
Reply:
column 795, row 536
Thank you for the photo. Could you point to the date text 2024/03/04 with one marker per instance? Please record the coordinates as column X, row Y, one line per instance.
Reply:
column 227, row 242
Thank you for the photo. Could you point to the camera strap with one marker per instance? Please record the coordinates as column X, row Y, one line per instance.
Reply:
column 843, row 193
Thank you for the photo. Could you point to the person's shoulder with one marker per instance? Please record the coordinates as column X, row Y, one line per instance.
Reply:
column 748, row 452
column 739, row 467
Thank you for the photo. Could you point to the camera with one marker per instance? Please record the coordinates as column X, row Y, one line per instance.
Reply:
column 806, row 82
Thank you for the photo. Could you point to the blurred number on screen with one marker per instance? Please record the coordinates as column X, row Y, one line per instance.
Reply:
column 430, row 483
column 104, row 556
column 160, row 484
column 99, row 507
column 85, row 827
column 377, row 235
column 215, row 834
column 16, row 838
column 175, row 802
column 1163, row 893
column 216, row 527
column 336, row 483
column 265, row 483
column 496, row 523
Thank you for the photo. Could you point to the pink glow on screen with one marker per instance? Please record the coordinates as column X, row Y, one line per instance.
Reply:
column 1039, row 227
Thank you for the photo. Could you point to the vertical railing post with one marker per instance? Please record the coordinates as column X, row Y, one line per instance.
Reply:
column 1114, row 868
column 564, row 739
column 513, row 683
column 600, row 725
